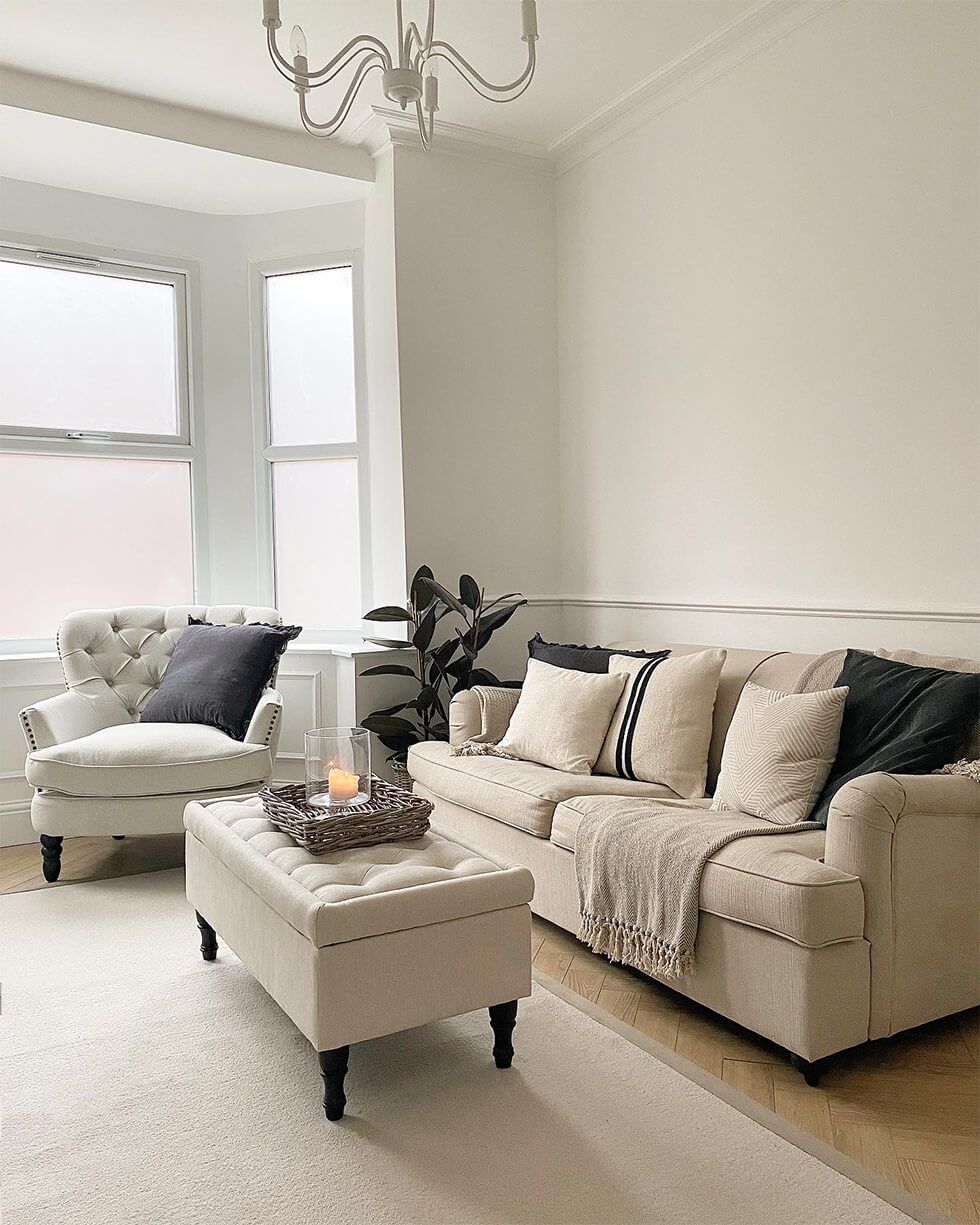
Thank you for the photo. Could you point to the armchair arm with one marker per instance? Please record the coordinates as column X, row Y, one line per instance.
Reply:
column 68, row 716
column 266, row 722
column 464, row 718
column 914, row 842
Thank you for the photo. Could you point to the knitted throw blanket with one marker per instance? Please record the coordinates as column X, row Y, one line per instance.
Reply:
column 639, row 865
column 497, row 705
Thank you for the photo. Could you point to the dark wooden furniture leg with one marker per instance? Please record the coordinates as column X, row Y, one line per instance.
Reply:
column 503, row 1018
column 51, row 856
column 333, row 1069
column 209, row 941
column 811, row 1072
column 118, row 837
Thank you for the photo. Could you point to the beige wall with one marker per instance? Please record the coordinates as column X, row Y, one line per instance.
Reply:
column 768, row 341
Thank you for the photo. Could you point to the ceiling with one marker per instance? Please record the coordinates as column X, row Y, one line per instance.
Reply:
column 211, row 55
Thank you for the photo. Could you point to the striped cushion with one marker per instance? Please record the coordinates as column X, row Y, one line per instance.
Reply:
column 778, row 752
column 661, row 729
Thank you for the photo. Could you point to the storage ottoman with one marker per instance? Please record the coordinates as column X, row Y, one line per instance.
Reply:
column 364, row 942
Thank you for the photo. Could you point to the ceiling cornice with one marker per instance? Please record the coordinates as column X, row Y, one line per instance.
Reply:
column 766, row 22
column 385, row 128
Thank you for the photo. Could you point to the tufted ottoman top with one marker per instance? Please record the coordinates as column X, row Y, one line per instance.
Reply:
column 363, row 891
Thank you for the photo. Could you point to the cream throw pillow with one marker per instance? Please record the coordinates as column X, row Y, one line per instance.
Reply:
column 778, row 752
column 562, row 717
column 661, row 730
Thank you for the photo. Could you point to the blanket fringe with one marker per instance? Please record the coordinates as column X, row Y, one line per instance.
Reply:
column 475, row 748
column 634, row 947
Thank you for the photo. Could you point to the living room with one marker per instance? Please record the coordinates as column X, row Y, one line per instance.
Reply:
column 674, row 353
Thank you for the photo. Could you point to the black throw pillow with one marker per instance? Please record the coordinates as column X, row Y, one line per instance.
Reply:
column 581, row 659
column 216, row 675
column 900, row 719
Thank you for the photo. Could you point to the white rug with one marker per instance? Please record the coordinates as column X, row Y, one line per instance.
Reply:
column 143, row 1085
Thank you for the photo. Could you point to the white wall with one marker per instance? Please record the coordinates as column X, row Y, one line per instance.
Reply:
column 768, row 344
column 475, row 279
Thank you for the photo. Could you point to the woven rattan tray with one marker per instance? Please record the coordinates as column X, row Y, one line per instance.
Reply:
column 393, row 814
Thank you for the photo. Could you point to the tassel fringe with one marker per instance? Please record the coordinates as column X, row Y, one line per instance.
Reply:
column 633, row 947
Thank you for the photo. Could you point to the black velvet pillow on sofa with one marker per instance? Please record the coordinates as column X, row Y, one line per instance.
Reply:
column 581, row 659
column 899, row 719
column 216, row 675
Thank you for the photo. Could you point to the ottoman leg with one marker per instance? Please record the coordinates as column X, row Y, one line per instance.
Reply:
column 209, row 941
column 333, row 1069
column 503, row 1018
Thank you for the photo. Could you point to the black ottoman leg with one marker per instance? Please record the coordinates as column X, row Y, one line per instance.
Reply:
column 51, row 856
column 209, row 941
column 333, row 1069
column 503, row 1018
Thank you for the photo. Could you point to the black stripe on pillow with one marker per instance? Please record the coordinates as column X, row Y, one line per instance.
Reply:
column 624, row 743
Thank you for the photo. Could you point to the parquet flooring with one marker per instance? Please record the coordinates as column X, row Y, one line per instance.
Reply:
column 906, row 1108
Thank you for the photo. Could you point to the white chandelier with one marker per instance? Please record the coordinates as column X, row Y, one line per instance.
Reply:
column 410, row 78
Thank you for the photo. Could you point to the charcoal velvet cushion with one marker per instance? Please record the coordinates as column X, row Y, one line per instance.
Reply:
column 216, row 675
column 899, row 719
column 581, row 659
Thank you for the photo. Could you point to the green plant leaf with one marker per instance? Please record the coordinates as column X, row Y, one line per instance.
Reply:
column 466, row 646
column 399, row 643
column 388, row 612
column 511, row 595
column 388, row 725
column 423, row 635
column 443, row 653
column 494, row 620
column 447, row 597
column 418, row 591
column 390, row 670
column 427, row 698
column 469, row 591
column 393, row 710
column 480, row 676
column 401, row 744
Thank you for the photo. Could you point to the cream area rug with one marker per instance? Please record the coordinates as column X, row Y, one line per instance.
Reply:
column 143, row 1085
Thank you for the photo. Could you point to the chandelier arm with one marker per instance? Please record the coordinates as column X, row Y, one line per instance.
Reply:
column 362, row 41
column 331, row 126
column 303, row 82
column 479, row 83
column 425, row 137
column 423, row 44
column 444, row 50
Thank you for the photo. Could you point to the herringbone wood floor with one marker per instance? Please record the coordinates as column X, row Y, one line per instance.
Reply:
column 906, row 1108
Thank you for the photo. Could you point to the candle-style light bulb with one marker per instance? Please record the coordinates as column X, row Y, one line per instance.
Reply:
column 297, row 42
column 430, row 85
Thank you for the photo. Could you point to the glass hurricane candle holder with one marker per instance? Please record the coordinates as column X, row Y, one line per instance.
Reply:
column 338, row 766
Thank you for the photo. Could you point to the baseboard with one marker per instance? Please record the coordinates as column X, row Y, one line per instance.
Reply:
column 15, row 824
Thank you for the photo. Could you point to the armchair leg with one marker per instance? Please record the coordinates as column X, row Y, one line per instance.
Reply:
column 118, row 837
column 51, row 856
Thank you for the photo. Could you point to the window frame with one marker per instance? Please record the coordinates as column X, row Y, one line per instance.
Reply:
column 185, row 446
column 268, row 454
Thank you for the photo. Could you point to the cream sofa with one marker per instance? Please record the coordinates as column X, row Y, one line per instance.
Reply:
column 818, row 940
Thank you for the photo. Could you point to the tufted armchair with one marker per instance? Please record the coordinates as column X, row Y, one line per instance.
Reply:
column 96, row 769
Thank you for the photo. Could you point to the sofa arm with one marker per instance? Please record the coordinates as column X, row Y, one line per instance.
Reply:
column 914, row 842
column 266, row 722
column 464, row 718
column 68, row 716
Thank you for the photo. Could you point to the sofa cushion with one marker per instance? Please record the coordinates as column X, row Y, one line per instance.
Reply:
column 518, row 793
column 775, row 882
column 149, row 759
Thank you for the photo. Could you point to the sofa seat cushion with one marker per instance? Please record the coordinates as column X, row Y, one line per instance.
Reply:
column 518, row 793
column 149, row 759
column 777, row 883
column 360, row 891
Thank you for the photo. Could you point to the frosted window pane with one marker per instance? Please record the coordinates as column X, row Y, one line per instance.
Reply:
column 311, row 357
column 99, row 533
column 86, row 352
column 318, row 554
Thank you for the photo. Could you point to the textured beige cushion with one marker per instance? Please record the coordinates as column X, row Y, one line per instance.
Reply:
column 562, row 717
column 776, row 883
column 521, row 794
column 778, row 753
column 135, row 759
column 667, row 713
column 360, row 892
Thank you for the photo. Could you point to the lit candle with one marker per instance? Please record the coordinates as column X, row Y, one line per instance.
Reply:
column 342, row 785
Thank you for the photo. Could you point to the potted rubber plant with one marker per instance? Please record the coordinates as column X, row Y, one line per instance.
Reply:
column 446, row 632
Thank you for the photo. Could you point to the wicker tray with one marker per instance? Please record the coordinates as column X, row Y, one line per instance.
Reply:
column 393, row 814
